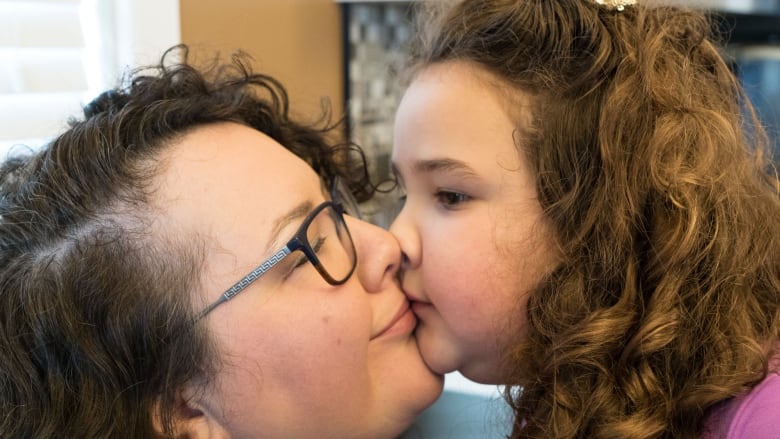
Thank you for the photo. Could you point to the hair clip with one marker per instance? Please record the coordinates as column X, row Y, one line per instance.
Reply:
column 616, row 4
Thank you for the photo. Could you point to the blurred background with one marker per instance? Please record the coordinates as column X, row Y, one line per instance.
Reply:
column 56, row 55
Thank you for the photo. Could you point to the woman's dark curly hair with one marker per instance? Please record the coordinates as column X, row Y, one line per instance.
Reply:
column 653, row 172
column 97, row 309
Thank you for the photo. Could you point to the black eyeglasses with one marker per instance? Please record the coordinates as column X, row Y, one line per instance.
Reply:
column 323, row 238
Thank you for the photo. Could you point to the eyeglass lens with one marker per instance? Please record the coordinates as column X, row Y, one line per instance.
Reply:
column 329, row 238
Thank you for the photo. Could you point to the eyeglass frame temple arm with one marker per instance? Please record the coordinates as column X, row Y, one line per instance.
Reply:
column 249, row 278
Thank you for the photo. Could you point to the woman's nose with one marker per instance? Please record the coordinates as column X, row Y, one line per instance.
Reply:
column 378, row 254
column 404, row 231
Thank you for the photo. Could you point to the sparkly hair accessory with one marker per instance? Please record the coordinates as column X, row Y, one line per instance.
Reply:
column 615, row 4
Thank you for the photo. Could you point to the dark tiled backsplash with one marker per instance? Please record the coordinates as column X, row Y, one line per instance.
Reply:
column 376, row 33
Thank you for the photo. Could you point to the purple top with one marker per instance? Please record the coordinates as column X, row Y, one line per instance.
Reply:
column 755, row 415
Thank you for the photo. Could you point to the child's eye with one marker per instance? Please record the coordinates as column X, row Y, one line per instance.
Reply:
column 451, row 199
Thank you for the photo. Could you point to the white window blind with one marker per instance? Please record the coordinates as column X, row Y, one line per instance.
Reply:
column 56, row 55
column 42, row 68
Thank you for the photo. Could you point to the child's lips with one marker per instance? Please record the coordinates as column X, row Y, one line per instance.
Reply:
column 417, row 299
column 420, row 306
column 412, row 295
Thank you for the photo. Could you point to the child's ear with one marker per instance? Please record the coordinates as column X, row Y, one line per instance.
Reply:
column 190, row 420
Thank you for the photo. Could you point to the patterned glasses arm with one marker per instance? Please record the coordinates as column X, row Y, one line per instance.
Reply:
column 249, row 278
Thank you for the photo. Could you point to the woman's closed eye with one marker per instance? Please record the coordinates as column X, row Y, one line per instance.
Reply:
column 300, row 257
column 299, row 261
column 316, row 246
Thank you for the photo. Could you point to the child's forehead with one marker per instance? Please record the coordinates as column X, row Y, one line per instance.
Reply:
column 516, row 102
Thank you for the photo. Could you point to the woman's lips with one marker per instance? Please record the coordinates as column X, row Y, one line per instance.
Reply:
column 403, row 322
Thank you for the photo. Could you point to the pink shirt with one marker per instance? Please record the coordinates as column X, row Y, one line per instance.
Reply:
column 755, row 415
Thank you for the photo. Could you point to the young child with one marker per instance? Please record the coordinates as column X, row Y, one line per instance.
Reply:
column 591, row 218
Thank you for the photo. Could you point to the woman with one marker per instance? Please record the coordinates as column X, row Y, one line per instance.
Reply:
column 126, row 306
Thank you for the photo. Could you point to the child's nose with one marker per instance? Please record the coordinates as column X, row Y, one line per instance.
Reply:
column 404, row 231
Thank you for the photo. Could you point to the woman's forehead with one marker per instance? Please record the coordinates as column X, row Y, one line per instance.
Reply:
column 231, row 176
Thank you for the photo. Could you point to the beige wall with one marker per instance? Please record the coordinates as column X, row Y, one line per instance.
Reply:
column 296, row 41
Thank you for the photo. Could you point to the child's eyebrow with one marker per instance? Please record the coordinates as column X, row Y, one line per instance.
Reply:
column 444, row 165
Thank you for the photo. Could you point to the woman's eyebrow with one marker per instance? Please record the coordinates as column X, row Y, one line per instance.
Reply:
column 298, row 212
